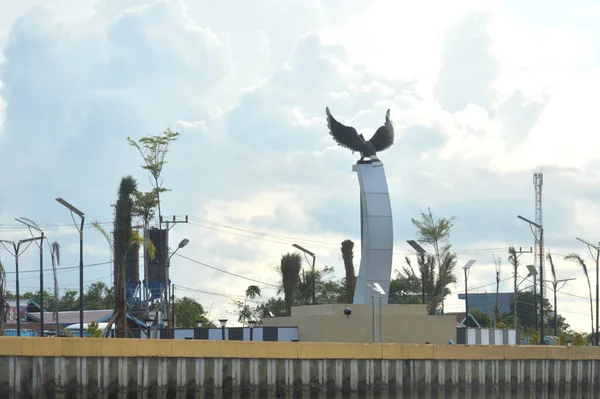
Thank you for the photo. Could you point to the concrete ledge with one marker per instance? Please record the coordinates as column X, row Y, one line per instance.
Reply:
column 163, row 348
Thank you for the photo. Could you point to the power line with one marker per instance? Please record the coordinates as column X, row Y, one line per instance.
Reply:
column 235, row 297
column 227, row 272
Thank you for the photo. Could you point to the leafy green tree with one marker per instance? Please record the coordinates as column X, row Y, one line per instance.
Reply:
column 98, row 296
column 289, row 269
column 93, row 330
column 187, row 313
column 244, row 310
column 154, row 149
column 69, row 301
column 484, row 320
column 439, row 266
column 405, row 288
column 276, row 306
column 526, row 313
column 48, row 298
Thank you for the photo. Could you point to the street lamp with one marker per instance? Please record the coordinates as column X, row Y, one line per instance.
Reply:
column 555, row 289
column 541, row 241
column 80, row 230
column 466, row 268
column 597, row 248
column 182, row 244
column 422, row 253
column 377, row 288
column 199, row 323
column 31, row 225
column 223, row 324
column 16, row 253
column 314, row 257
column 148, row 326
column 533, row 272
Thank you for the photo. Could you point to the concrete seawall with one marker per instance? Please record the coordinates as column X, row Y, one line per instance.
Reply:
column 74, row 367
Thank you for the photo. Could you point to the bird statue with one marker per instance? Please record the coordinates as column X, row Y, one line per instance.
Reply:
column 348, row 137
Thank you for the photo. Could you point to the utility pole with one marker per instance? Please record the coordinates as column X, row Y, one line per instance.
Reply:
column 173, row 309
column 538, row 181
column 517, row 254
column 497, row 264
column 166, row 263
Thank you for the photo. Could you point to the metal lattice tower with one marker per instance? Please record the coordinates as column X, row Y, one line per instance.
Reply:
column 538, row 257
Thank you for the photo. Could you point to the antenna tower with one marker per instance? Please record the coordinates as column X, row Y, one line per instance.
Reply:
column 538, row 257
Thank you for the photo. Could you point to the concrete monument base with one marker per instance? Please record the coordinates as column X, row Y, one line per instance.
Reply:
column 401, row 324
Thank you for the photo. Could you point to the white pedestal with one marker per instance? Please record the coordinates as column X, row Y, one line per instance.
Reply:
column 377, row 237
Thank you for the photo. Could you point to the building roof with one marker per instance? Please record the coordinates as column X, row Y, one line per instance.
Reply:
column 72, row 317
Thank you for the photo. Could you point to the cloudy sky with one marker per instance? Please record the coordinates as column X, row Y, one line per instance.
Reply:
column 482, row 95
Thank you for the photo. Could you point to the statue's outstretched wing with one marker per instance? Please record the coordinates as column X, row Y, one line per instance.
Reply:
column 345, row 136
column 384, row 136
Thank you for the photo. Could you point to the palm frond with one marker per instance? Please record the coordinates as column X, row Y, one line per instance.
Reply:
column 549, row 257
column 105, row 233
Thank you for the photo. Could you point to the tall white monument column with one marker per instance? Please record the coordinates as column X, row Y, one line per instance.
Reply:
column 377, row 237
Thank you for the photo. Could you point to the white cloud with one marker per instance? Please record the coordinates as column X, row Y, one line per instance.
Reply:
column 480, row 97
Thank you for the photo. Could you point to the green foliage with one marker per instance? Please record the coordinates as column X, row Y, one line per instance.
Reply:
column 153, row 149
column 122, row 239
column 484, row 320
column 289, row 269
column 145, row 204
column 244, row 310
column 437, row 270
column 187, row 313
column 93, row 330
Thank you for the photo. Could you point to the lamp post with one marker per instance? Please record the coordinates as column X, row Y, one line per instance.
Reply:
column 199, row 323
column 422, row 253
column 597, row 248
column 80, row 230
column 182, row 244
column 31, row 225
column 148, row 326
column 223, row 324
column 377, row 288
column 314, row 257
column 16, row 253
column 252, row 323
column 533, row 272
column 554, row 284
column 466, row 268
column 541, row 241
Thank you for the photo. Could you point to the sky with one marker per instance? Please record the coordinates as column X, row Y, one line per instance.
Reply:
column 482, row 95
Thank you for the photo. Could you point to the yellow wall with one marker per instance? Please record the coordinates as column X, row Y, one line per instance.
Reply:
column 26, row 346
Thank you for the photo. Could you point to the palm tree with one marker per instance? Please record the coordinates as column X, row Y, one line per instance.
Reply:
column 55, row 258
column 290, row 266
column 121, row 243
column 514, row 261
column 348, row 258
column 252, row 292
column 576, row 258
